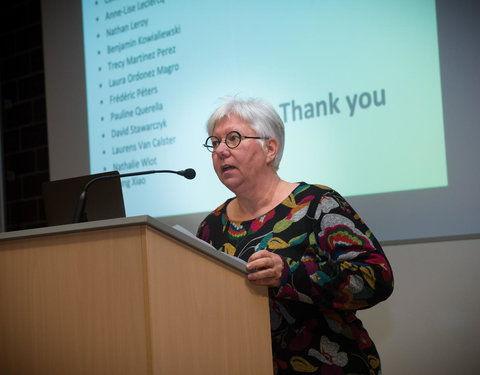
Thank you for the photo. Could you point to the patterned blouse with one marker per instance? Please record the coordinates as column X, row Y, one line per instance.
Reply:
column 333, row 266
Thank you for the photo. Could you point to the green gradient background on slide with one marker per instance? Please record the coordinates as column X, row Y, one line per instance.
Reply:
column 298, row 53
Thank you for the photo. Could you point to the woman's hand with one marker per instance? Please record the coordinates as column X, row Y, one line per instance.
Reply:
column 268, row 268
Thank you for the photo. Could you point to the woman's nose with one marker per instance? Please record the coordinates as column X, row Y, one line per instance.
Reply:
column 222, row 149
column 222, row 146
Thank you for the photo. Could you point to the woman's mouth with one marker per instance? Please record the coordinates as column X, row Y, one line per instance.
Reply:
column 227, row 168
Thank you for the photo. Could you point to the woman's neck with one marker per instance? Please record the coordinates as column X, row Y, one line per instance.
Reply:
column 260, row 200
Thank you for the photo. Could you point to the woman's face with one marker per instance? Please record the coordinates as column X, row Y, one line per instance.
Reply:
column 242, row 166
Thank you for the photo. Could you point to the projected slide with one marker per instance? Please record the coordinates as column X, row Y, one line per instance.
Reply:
column 357, row 84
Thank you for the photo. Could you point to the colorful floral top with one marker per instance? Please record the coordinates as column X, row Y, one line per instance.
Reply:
column 333, row 266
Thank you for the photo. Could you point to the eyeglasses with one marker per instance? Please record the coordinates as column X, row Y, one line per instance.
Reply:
column 232, row 140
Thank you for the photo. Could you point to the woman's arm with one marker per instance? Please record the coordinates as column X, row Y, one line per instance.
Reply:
column 342, row 267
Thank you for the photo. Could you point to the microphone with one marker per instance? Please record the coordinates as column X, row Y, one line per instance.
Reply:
column 80, row 215
column 188, row 173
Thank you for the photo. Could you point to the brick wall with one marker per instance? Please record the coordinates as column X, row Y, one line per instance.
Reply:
column 23, row 117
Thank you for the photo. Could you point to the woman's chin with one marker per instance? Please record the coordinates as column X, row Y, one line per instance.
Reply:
column 231, row 183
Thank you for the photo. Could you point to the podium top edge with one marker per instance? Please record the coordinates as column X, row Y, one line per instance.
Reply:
column 149, row 221
column 77, row 227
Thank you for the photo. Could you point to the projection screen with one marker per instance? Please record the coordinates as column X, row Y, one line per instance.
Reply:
column 370, row 93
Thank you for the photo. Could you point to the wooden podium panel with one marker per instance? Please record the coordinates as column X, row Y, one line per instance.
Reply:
column 215, row 321
column 126, row 297
column 73, row 304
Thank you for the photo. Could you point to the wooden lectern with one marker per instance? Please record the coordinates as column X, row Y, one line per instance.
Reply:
column 127, row 296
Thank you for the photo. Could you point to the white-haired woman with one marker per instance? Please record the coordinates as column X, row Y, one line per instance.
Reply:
column 306, row 243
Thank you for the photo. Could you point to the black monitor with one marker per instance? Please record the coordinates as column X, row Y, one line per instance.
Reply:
column 104, row 198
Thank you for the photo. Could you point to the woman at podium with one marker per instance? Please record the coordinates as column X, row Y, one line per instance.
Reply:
column 304, row 241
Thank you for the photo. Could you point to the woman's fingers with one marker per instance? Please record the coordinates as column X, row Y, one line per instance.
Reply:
column 267, row 268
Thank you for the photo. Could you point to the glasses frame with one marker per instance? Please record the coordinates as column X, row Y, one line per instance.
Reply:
column 212, row 149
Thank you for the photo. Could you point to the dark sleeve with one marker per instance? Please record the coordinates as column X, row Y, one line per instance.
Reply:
column 343, row 266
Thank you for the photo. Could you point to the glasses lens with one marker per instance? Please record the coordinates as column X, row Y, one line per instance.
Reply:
column 233, row 139
column 212, row 143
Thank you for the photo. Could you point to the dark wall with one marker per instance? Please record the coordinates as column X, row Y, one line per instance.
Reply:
column 23, row 113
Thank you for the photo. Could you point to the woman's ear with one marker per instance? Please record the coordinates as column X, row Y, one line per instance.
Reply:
column 271, row 149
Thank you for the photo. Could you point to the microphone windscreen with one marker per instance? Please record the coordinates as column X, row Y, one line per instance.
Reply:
column 189, row 173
